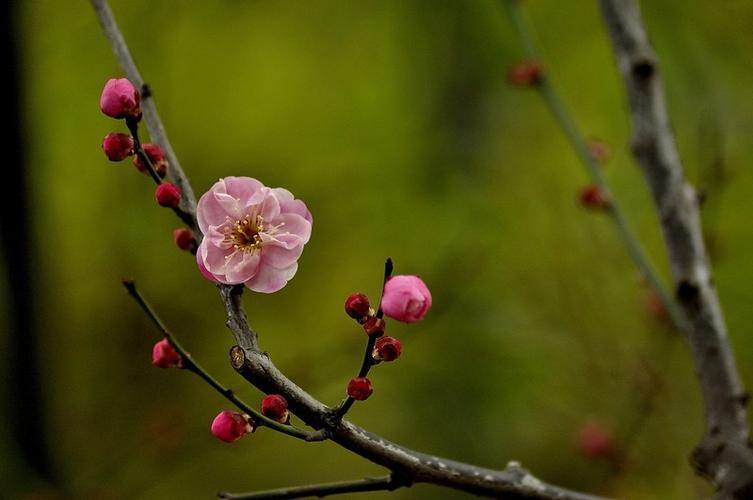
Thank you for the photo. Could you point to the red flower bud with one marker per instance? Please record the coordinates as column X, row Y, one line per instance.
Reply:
column 386, row 349
column 526, row 73
column 156, row 156
column 360, row 388
column 184, row 238
column 118, row 146
column 167, row 195
column 596, row 441
column 164, row 355
column 357, row 306
column 599, row 150
column 275, row 407
column 374, row 327
column 230, row 426
column 120, row 99
column 593, row 197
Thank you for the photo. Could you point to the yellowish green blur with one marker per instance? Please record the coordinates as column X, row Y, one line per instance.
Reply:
column 394, row 121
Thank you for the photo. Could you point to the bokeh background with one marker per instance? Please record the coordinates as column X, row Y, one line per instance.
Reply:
column 395, row 122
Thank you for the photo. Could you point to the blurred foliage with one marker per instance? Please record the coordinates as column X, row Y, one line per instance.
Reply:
column 394, row 122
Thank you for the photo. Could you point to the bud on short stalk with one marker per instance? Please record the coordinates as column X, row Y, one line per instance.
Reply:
column 275, row 407
column 164, row 355
column 230, row 426
column 360, row 388
column 167, row 195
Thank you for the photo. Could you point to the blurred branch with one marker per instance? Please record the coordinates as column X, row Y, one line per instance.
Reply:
column 386, row 483
column 189, row 364
column 151, row 117
column 567, row 124
column 724, row 454
column 411, row 466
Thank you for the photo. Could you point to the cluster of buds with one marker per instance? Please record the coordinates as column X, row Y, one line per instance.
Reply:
column 121, row 100
column 404, row 298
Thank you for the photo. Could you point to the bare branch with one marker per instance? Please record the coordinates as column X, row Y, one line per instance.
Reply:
column 723, row 455
column 386, row 483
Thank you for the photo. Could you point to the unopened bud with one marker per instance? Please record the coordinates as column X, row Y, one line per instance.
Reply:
column 164, row 355
column 357, row 306
column 230, row 426
column 596, row 441
column 275, row 407
column 386, row 349
column 117, row 146
column 167, row 195
column 120, row 99
column 593, row 197
column 526, row 73
column 360, row 388
column 374, row 327
column 156, row 155
column 184, row 238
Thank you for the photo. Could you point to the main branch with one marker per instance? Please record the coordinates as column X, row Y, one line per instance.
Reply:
column 724, row 454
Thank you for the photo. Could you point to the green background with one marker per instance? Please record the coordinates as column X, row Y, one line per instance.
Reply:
column 395, row 123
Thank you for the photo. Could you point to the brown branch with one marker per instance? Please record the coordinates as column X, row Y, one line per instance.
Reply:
column 410, row 466
column 387, row 483
column 723, row 455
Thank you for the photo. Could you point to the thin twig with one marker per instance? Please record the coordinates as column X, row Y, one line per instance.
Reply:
column 558, row 109
column 724, row 454
column 386, row 483
column 189, row 364
column 368, row 358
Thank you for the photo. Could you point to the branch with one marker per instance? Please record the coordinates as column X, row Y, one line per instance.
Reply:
column 723, row 455
column 567, row 124
column 189, row 364
column 151, row 117
column 512, row 483
column 386, row 483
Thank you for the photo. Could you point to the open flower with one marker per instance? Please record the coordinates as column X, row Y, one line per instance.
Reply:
column 253, row 234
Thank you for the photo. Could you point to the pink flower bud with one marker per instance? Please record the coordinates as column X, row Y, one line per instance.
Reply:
column 593, row 197
column 156, row 156
column 230, row 426
column 374, row 327
column 596, row 441
column 184, row 238
column 120, row 99
column 406, row 298
column 275, row 407
column 526, row 73
column 386, row 349
column 357, row 306
column 117, row 147
column 360, row 388
column 167, row 195
column 164, row 355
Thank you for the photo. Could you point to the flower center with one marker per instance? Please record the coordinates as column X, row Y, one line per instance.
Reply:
column 245, row 234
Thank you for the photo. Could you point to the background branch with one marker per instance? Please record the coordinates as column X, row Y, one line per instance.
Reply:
column 724, row 454
column 386, row 483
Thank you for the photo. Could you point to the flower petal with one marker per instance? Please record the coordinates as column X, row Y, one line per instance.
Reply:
column 241, row 267
column 270, row 279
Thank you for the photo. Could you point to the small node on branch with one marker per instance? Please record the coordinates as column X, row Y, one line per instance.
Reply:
column 237, row 357
column 526, row 73
column 593, row 197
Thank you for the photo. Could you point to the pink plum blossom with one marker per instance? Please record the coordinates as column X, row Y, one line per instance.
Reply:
column 120, row 99
column 406, row 298
column 253, row 234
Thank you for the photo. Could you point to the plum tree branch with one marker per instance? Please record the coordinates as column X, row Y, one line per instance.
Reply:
column 410, row 466
column 567, row 124
column 386, row 483
column 724, row 454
